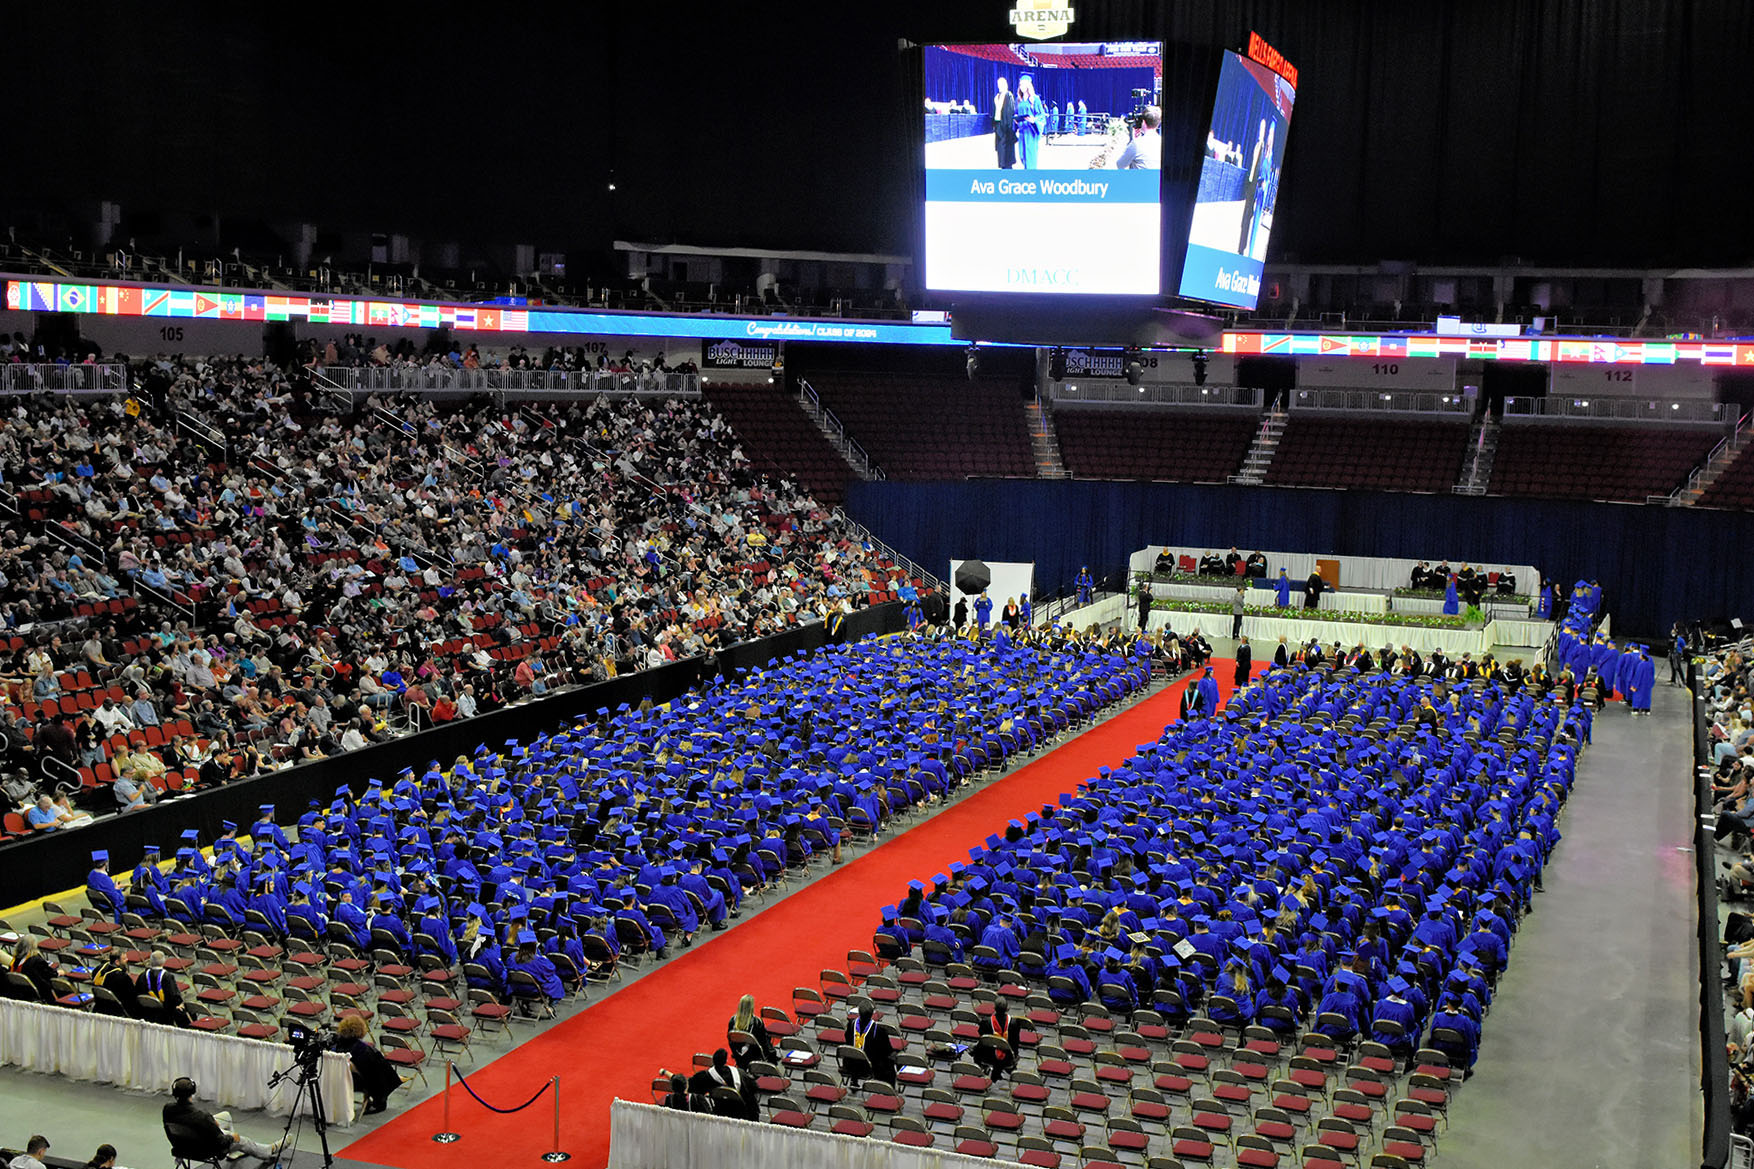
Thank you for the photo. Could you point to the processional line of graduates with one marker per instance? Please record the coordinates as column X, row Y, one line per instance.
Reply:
column 1594, row 659
column 632, row 828
column 1280, row 857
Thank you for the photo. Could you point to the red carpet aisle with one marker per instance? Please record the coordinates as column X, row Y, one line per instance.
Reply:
column 614, row 1047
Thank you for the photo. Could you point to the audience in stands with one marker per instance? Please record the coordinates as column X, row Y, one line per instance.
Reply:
column 323, row 583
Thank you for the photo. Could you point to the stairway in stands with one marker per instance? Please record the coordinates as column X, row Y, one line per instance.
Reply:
column 836, row 434
column 1263, row 448
column 1045, row 442
column 1722, row 457
column 1482, row 451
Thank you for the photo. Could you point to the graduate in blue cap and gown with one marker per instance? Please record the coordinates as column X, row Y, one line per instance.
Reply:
column 101, row 890
column 149, row 881
column 983, row 610
column 1086, row 585
column 1282, row 590
column 1030, row 116
column 532, row 961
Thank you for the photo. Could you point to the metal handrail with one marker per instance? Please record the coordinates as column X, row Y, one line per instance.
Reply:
column 329, row 387
column 203, row 432
column 1698, row 473
column 54, row 378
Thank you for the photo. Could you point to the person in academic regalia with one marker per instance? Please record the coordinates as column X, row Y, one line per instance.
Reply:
column 1053, row 118
column 1244, row 663
column 1678, row 658
column 1005, row 125
column 960, row 615
column 866, row 1034
column 101, row 890
column 1282, row 590
column 983, row 610
column 1086, row 585
column 1545, row 609
column 1452, row 604
column 1644, row 680
column 1282, row 654
column 1030, row 115
column 1083, row 118
column 1144, row 595
column 1256, row 564
column 1313, row 587
column 1208, row 693
column 998, row 1058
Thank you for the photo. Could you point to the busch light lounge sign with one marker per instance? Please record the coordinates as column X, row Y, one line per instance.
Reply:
column 1096, row 363
column 728, row 354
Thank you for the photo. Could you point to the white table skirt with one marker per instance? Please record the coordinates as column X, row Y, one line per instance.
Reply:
column 231, row 1072
column 644, row 1136
column 1341, row 601
column 1264, row 633
column 1529, row 634
column 1356, row 572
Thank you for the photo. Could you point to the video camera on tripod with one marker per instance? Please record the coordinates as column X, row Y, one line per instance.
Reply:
column 308, row 1044
column 1135, row 118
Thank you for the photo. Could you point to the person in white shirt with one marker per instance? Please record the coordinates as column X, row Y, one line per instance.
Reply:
column 112, row 718
column 31, row 1158
column 1145, row 151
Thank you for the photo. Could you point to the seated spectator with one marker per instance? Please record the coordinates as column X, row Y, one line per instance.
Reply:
column 197, row 1134
column 32, row 1157
column 748, row 1038
column 29, row 960
column 681, row 1098
column 729, row 1090
column 373, row 1075
column 134, row 793
column 104, row 1158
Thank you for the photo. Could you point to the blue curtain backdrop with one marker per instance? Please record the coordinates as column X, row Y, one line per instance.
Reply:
column 958, row 77
column 1657, row 565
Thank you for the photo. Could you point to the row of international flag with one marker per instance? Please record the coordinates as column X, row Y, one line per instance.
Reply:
column 1548, row 349
column 125, row 300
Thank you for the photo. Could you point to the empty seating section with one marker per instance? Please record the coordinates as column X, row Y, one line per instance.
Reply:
column 1143, row 443
column 780, row 439
column 1597, row 462
column 1109, row 61
column 1734, row 487
column 922, row 427
column 1397, row 455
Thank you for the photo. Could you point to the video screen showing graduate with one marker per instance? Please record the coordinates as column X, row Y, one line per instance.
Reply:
column 1239, row 183
column 1043, row 168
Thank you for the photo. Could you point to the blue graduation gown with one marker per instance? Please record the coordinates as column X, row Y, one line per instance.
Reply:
column 1029, row 133
column 101, row 888
column 542, row 970
column 983, row 611
column 1282, row 592
column 1451, row 603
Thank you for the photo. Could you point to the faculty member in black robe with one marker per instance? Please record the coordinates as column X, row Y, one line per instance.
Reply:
column 1244, row 660
column 1312, row 590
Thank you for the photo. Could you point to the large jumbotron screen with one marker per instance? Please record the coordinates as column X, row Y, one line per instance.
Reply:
column 1239, row 184
column 1043, row 168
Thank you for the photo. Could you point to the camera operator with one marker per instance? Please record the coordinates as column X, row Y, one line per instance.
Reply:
column 372, row 1073
column 1145, row 151
column 194, row 1131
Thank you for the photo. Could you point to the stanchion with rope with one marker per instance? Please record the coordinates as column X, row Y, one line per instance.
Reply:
column 556, row 1155
column 449, row 1136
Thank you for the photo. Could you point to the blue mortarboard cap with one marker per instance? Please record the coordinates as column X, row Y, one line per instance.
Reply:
column 100, row 854
column 265, row 809
column 476, row 909
column 1066, row 951
column 917, row 885
column 1380, row 911
column 149, row 849
column 958, row 868
column 526, row 937
column 1282, row 974
column 1399, row 985
column 1114, row 954
column 888, row 912
column 190, row 834
column 228, row 826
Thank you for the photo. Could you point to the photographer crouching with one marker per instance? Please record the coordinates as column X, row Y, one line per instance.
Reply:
column 373, row 1074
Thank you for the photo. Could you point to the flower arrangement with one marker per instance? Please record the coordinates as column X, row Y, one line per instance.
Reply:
column 1438, row 595
column 1411, row 620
